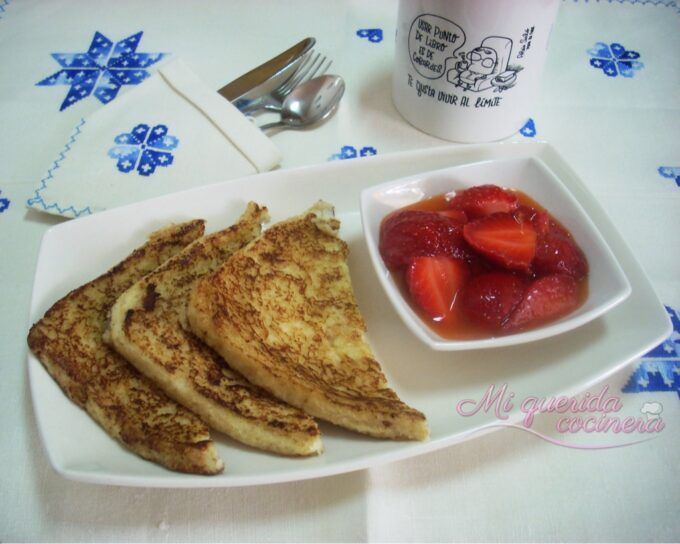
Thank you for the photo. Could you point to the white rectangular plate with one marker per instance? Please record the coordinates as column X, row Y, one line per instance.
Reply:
column 77, row 251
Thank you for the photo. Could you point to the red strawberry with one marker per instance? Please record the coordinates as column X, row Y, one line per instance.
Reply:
column 545, row 299
column 541, row 222
column 488, row 299
column 414, row 233
column 433, row 282
column 503, row 239
column 539, row 219
column 558, row 253
column 482, row 200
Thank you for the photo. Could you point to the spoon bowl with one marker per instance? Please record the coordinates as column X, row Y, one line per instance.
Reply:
column 309, row 103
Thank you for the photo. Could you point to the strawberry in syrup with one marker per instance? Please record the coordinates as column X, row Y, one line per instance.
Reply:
column 558, row 253
column 482, row 200
column 503, row 239
column 413, row 233
column 489, row 299
column 545, row 299
column 434, row 282
column 487, row 261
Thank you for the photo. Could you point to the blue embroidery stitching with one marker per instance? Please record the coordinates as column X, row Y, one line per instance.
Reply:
column 671, row 172
column 3, row 5
column 4, row 204
column 659, row 369
column 350, row 152
column 38, row 198
column 143, row 148
column 529, row 129
column 614, row 60
column 102, row 70
column 374, row 35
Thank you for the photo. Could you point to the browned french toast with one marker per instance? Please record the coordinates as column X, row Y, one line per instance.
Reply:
column 282, row 311
column 146, row 328
column 68, row 342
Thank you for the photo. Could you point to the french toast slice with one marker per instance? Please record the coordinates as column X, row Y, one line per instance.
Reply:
column 146, row 328
column 282, row 311
column 68, row 341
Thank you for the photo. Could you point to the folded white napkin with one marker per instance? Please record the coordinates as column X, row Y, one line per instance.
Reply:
column 169, row 133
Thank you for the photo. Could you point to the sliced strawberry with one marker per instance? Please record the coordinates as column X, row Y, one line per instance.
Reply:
column 545, row 299
column 414, row 233
column 490, row 298
column 558, row 253
column 482, row 200
column 503, row 239
column 433, row 283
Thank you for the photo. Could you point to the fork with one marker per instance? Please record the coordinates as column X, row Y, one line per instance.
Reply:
column 312, row 65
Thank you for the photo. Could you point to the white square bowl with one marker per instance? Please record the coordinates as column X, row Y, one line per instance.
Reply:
column 607, row 283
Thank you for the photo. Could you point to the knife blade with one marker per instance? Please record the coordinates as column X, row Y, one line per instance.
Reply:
column 268, row 76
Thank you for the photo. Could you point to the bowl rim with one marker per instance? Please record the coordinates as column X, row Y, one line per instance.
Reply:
column 621, row 287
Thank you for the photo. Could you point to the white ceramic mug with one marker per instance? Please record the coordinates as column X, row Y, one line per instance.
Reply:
column 470, row 70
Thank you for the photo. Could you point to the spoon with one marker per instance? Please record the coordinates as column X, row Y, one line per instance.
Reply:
column 310, row 103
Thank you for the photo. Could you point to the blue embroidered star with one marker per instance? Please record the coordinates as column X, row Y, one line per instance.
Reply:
column 102, row 70
column 4, row 204
column 614, row 59
column 659, row 370
column 529, row 129
column 351, row 152
column 143, row 149
column 671, row 172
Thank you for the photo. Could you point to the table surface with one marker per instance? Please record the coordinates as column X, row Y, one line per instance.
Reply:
column 619, row 131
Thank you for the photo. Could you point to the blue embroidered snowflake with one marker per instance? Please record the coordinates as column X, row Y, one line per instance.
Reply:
column 614, row 60
column 529, row 129
column 102, row 70
column 350, row 152
column 143, row 149
column 4, row 204
column 374, row 35
column 659, row 369
column 671, row 172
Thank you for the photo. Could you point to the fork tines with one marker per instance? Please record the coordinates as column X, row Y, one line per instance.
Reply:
column 312, row 65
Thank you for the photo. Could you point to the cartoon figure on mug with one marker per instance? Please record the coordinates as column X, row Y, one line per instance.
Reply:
column 485, row 66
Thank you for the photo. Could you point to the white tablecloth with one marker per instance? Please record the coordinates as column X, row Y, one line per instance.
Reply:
column 619, row 131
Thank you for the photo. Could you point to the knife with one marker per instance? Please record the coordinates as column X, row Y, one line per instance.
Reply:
column 268, row 76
